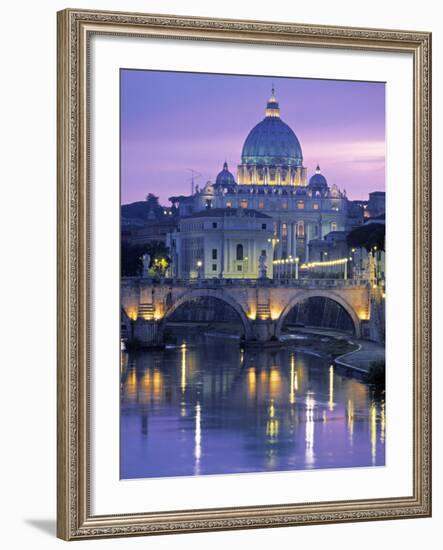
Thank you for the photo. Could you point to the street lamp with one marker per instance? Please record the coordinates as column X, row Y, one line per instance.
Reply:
column 274, row 241
column 199, row 269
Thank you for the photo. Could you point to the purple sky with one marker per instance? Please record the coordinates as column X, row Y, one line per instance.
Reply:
column 174, row 121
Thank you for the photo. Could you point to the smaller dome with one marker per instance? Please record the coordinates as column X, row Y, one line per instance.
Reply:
column 225, row 178
column 318, row 180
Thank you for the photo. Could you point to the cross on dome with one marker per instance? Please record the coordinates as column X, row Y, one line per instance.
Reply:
column 272, row 108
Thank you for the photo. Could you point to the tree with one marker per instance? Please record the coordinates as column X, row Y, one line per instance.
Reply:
column 153, row 206
column 131, row 258
column 367, row 236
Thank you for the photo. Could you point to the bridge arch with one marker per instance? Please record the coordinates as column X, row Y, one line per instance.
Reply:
column 207, row 293
column 304, row 295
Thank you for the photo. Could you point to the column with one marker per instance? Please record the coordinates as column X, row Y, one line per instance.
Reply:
column 289, row 239
column 307, row 239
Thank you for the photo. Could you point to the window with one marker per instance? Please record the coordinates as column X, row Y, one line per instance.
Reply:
column 261, row 204
column 214, row 267
column 284, row 229
column 263, row 252
column 228, row 204
column 315, row 230
column 243, row 203
column 214, row 253
column 300, row 205
column 214, row 225
column 239, row 268
column 284, row 205
column 300, row 228
column 333, row 226
column 239, row 253
column 263, row 226
column 316, row 206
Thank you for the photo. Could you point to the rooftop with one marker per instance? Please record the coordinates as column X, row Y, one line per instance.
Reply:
column 227, row 212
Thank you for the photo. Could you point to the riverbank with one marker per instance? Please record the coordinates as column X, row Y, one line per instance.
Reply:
column 340, row 348
column 360, row 353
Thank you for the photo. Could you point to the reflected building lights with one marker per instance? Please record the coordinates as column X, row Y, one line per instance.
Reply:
column 131, row 385
column 310, row 427
column 197, row 439
column 272, row 425
column 146, row 387
column 351, row 420
column 382, row 422
column 292, row 387
column 157, row 384
column 274, row 382
column 331, row 388
column 252, row 382
column 373, row 425
column 183, row 367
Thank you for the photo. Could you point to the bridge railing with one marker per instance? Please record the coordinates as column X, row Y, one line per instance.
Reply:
column 252, row 283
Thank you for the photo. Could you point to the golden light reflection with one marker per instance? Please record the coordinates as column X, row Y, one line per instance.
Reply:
column 292, row 381
column 274, row 382
column 123, row 361
column 310, row 427
column 272, row 425
column 157, row 384
column 131, row 385
column 183, row 367
column 197, row 438
column 382, row 422
column 252, row 382
column 146, row 387
column 373, row 427
column 351, row 420
column 331, row 388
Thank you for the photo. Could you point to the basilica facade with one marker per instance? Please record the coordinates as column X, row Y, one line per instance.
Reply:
column 271, row 209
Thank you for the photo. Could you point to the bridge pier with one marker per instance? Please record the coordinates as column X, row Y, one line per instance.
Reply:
column 147, row 333
column 262, row 331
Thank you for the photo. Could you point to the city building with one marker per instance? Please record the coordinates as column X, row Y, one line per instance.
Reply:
column 271, row 209
column 272, row 185
column 222, row 243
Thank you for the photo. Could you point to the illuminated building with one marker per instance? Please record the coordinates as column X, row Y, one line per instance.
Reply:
column 272, row 183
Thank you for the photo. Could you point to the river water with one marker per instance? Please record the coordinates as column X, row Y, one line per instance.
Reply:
column 204, row 406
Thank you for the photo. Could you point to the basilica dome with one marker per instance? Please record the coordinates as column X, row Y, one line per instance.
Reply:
column 318, row 181
column 225, row 178
column 271, row 141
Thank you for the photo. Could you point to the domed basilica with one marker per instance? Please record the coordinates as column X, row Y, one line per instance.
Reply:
column 271, row 210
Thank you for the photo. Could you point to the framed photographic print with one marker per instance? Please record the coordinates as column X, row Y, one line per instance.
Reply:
column 244, row 274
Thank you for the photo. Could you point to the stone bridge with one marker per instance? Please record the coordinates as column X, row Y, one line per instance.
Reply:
column 262, row 305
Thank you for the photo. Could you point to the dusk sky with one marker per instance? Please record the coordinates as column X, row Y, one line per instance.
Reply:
column 171, row 122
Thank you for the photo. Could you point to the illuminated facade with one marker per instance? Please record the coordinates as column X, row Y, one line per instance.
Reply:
column 219, row 242
column 271, row 181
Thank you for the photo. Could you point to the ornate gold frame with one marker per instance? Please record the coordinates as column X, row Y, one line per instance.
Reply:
column 75, row 28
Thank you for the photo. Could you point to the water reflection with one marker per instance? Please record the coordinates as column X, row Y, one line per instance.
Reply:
column 206, row 407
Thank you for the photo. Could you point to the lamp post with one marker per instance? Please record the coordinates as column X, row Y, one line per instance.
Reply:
column 199, row 269
column 274, row 241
